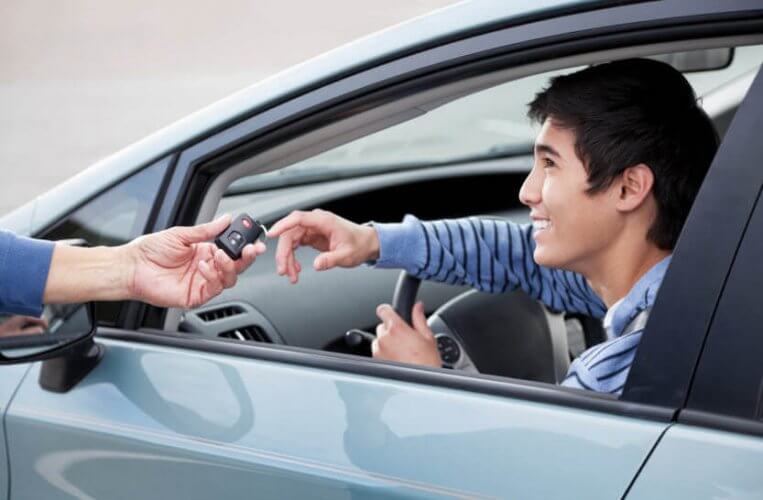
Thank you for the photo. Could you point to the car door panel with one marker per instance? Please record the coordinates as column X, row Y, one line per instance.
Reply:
column 10, row 377
column 160, row 422
column 698, row 463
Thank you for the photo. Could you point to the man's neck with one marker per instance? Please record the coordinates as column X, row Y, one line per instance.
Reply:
column 616, row 272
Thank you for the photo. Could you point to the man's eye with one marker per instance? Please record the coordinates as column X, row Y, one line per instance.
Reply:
column 548, row 162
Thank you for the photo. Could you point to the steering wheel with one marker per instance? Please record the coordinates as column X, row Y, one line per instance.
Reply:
column 508, row 334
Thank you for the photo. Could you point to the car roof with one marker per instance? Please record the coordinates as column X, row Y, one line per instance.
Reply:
column 451, row 22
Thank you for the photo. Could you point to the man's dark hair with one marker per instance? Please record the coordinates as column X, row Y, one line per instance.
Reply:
column 636, row 111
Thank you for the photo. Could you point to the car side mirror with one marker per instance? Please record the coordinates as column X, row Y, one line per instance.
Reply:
column 24, row 339
column 62, row 337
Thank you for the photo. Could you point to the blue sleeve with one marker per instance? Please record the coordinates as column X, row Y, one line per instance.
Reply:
column 24, row 266
column 487, row 254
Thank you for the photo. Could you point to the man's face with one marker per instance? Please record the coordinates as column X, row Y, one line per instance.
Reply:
column 572, row 229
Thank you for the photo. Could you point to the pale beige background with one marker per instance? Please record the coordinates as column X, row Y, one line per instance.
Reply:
column 80, row 79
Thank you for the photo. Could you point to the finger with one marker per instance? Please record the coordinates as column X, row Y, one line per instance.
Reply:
column 32, row 321
column 381, row 330
column 208, row 291
column 388, row 315
column 204, row 232
column 248, row 256
column 226, row 269
column 259, row 248
column 291, row 268
column 375, row 348
column 291, row 265
column 290, row 221
column 328, row 260
column 31, row 330
column 419, row 320
column 212, row 284
column 14, row 322
column 207, row 287
column 43, row 322
column 316, row 220
column 284, row 249
column 207, row 271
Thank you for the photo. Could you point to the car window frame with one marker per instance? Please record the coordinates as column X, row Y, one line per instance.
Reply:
column 714, row 399
column 725, row 202
column 200, row 163
column 165, row 166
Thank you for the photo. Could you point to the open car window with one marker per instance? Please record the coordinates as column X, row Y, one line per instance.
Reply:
column 479, row 143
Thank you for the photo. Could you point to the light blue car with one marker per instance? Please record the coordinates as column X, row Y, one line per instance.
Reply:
column 258, row 395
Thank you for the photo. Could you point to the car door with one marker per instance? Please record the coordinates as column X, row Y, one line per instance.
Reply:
column 165, row 419
column 10, row 377
column 113, row 217
column 169, row 415
column 716, row 448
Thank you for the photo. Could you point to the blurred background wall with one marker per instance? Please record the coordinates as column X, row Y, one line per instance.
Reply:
column 80, row 79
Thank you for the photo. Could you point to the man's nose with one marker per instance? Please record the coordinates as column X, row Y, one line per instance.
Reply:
column 530, row 192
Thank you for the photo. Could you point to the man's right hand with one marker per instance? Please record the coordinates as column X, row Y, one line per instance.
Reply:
column 342, row 243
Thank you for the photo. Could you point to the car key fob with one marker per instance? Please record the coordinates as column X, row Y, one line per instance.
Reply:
column 242, row 231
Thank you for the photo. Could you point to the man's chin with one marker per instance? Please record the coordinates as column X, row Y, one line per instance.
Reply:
column 544, row 258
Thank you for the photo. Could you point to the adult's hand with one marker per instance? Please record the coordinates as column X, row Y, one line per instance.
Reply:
column 179, row 267
column 342, row 243
column 396, row 340
column 22, row 325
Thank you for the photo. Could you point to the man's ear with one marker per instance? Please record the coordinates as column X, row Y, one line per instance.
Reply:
column 634, row 186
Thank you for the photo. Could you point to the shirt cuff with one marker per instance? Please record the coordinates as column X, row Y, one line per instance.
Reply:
column 24, row 267
column 401, row 246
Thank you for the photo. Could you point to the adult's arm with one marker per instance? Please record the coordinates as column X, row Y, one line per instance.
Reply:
column 177, row 267
column 24, row 265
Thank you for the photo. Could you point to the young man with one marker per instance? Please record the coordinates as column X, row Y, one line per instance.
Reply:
column 620, row 156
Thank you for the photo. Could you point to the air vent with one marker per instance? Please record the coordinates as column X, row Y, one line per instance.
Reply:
column 219, row 313
column 251, row 333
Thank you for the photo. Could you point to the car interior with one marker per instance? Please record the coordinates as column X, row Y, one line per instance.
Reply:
column 460, row 149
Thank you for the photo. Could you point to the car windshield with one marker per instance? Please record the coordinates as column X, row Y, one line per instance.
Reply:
column 485, row 125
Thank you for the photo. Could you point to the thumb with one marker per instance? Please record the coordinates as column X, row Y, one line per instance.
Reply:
column 419, row 319
column 205, row 232
column 388, row 315
column 327, row 260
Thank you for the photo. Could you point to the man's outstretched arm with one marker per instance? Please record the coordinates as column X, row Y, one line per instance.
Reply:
column 490, row 255
column 177, row 267
column 486, row 254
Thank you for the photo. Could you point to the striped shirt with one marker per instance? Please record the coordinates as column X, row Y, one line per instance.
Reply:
column 496, row 256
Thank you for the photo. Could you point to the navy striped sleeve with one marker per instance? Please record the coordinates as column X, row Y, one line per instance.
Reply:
column 24, row 266
column 487, row 254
